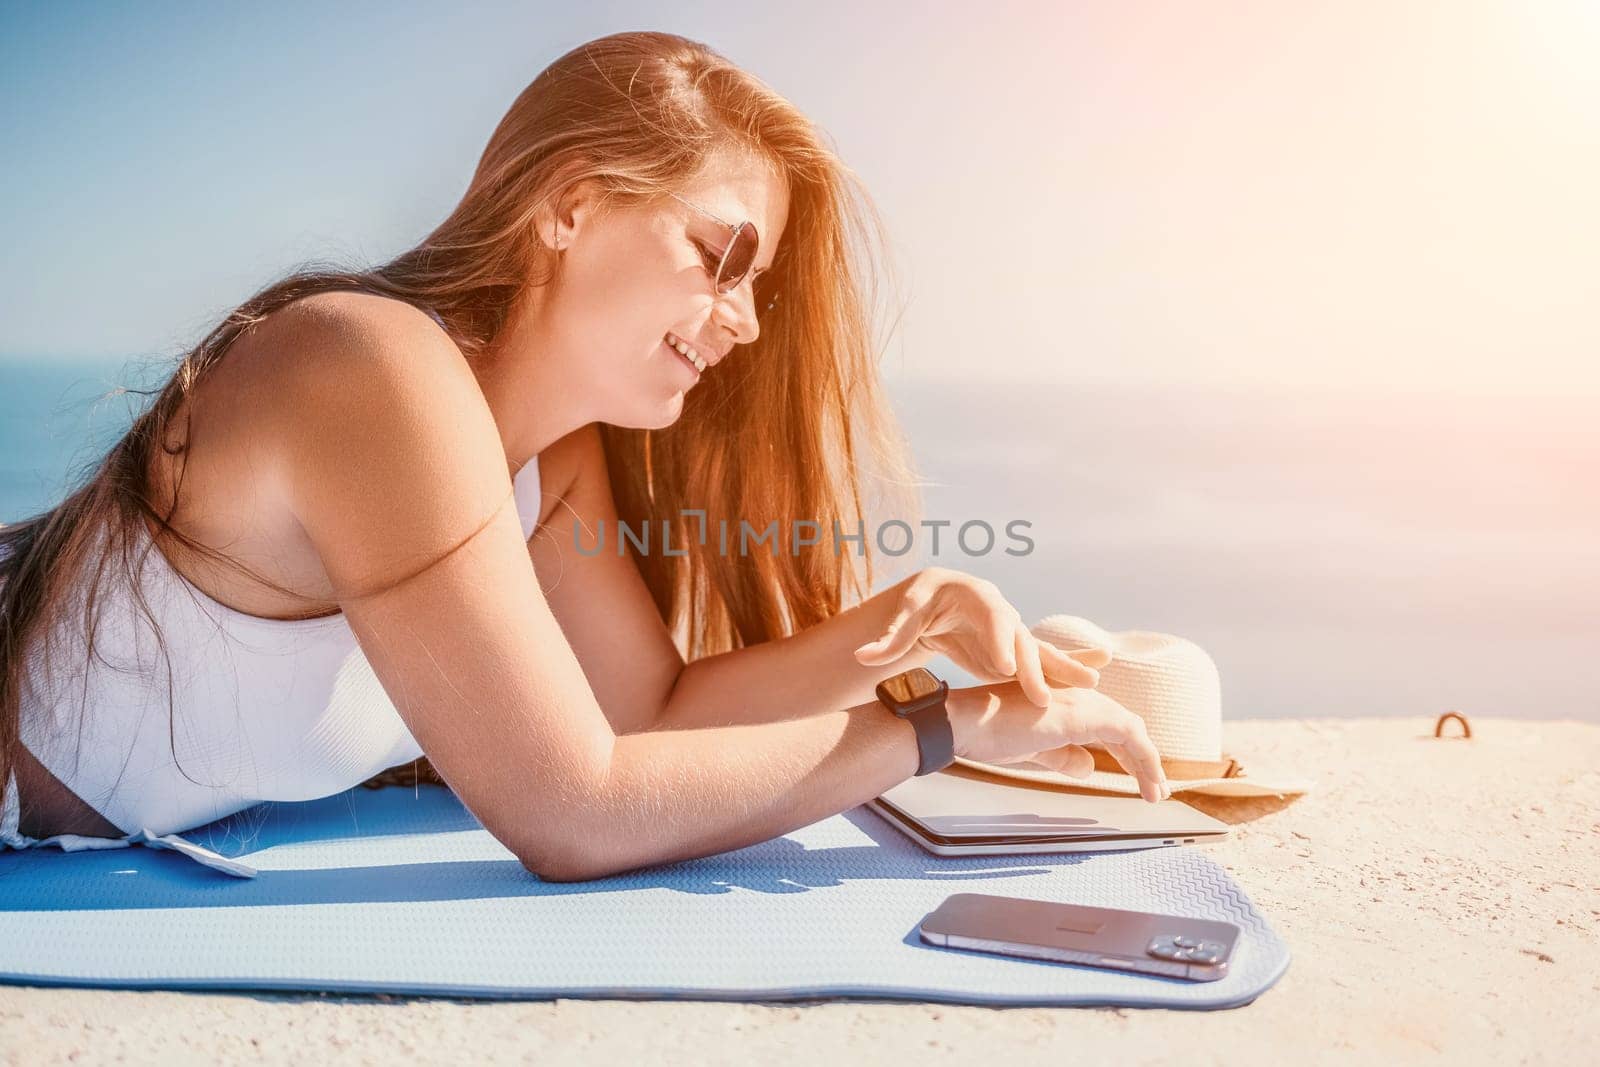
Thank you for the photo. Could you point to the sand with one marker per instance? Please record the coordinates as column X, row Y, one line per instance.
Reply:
column 1441, row 899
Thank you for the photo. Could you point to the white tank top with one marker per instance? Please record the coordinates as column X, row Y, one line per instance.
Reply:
column 262, row 709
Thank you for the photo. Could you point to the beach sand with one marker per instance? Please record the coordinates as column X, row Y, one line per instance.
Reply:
column 1441, row 898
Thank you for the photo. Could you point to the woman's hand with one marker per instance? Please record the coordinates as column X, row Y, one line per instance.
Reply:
column 965, row 618
column 994, row 724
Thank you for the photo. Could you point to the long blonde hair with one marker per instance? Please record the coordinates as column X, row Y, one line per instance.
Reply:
column 784, row 433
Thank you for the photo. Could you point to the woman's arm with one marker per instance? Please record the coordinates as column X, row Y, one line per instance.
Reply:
column 675, row 795
column 638, row 676
column 377, row 439
column 605, row 609
column 936, row 611
column 383, row 449
column 803, row 674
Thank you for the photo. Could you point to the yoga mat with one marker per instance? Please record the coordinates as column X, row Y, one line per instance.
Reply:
column 401, row 890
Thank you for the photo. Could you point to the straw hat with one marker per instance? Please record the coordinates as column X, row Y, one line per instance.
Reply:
column 1172, row 685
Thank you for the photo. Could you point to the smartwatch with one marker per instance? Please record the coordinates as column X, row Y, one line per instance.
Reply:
column 919, row 696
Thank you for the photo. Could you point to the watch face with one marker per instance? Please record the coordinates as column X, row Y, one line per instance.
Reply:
column 911, row 687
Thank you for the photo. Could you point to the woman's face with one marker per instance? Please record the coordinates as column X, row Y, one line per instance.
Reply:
column 631, row 275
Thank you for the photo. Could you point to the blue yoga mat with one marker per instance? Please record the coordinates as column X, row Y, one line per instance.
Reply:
column 401, row 890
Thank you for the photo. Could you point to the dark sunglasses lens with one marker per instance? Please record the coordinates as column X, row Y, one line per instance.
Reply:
column 741, row 256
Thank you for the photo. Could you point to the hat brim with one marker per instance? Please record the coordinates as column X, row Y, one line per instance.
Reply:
column 1106, row 781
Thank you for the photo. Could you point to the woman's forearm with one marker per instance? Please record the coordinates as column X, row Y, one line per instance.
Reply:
column 807, row 673
column 681, row 794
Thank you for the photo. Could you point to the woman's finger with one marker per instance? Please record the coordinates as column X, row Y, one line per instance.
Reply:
column 1139, row 757
column 1029, row 671
column 1129, row 763
column 1074, row 761
column 1000, row 647
column 1089, row 657
column 1065, row 668
column 897, row 638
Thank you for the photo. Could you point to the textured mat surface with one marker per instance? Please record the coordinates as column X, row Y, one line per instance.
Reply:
column 403, row 891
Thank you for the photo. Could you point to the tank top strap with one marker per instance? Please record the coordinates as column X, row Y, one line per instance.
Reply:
column 528, row 494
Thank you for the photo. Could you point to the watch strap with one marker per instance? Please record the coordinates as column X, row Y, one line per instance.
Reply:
column 936, row 744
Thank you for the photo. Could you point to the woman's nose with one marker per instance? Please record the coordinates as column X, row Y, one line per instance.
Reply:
column 736, row 310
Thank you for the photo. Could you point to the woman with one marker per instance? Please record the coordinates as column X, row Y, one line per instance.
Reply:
column 324, row 568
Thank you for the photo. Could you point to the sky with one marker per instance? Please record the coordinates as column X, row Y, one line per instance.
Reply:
column 1341, row 196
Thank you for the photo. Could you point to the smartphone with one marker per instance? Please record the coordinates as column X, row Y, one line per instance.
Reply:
column 1174, row 946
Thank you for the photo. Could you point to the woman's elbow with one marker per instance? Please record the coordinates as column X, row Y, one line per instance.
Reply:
column 551, row 869
column 566, row 861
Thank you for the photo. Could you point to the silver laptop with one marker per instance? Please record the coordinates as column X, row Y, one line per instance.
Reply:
column 961, row 812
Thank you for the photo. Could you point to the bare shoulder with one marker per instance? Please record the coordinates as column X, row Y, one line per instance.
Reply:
column 267, row 420
column 335, row 363
column 378, row 429
column 344, row 340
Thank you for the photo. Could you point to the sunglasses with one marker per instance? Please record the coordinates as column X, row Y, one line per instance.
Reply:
column 737, row 258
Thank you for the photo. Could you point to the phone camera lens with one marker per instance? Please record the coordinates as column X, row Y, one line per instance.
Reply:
column 1165, row 948
column 1202, row 955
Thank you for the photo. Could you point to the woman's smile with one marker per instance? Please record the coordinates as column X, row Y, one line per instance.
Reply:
column 680, row 359
column 688, row 351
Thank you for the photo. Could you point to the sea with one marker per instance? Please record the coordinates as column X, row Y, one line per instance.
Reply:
column 1338, row 552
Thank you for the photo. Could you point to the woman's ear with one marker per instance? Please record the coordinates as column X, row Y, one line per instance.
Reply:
column 550, row 230
column 557, row 227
